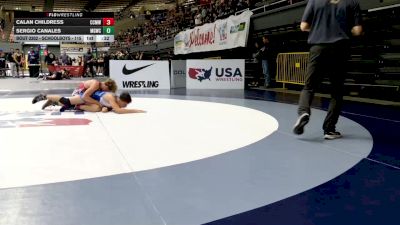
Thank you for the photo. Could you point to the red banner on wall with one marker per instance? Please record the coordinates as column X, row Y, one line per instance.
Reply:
column 75, row 71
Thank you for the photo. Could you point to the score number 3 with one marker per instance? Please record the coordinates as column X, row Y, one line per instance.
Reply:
column 108, row 21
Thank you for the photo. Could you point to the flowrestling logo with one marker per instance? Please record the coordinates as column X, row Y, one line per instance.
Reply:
column 126, row 71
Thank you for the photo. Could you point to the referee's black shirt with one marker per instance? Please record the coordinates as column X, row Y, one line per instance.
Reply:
column 331, row 20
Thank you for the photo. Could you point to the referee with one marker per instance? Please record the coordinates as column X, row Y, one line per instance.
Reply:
column 330, row 24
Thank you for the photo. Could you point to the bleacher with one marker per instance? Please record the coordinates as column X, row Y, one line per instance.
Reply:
column 112, row 6
column 143, row 3
column 25, row 5
column 69, row 5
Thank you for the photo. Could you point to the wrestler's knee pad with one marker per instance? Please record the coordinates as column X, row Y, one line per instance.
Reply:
column 65, row 101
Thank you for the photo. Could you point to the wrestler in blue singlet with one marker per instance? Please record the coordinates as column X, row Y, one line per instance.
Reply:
column 96, row 95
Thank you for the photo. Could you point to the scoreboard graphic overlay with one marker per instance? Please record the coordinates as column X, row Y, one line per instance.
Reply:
column 64, row 26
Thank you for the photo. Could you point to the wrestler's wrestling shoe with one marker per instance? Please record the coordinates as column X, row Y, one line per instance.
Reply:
column 38, row 98
column 47, row 104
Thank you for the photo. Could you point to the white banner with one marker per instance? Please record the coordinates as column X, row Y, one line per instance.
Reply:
column 215, row 74
column 178, row 73
column 222, row 34
column 143, row 74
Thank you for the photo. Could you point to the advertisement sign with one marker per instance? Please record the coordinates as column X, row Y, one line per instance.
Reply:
column 178, row 73
column 222, row 34
column 143, row 74
column 215, row 74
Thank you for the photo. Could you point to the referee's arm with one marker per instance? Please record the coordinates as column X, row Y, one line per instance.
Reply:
column 304, row 26
column 356, row 30
column 307, row 17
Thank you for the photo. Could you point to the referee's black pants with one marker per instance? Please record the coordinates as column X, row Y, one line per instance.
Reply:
column 330, row 60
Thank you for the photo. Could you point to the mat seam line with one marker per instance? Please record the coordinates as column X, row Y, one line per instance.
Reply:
column 147, row 196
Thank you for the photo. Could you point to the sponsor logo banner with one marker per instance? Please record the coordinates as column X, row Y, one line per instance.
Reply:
column 222, row 34
column 144, row 74
column 215, row 74
column 178, row 73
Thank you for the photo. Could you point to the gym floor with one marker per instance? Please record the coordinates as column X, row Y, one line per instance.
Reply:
column 195, row 157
